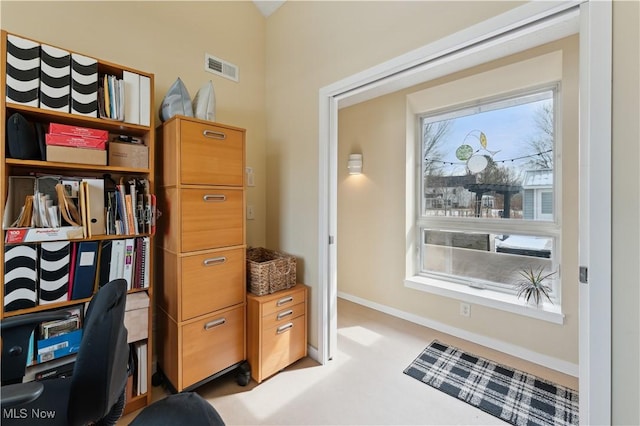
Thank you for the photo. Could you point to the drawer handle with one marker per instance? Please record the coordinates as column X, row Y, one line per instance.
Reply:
column 214, row 135
column 214, row 261
column 284, row 300
column 284, row 328
column 215, row 198
column 214, row 323
column 285, row 314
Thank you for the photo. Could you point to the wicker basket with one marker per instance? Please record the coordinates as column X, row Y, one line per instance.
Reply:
column 269, row 271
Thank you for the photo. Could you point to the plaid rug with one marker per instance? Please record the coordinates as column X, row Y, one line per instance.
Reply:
column 514, row 396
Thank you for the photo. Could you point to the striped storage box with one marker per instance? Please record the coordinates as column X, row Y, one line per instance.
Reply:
column 23, row 71
column 55, row 78
column 54, row 271
column 20, row 276
column 84, row 85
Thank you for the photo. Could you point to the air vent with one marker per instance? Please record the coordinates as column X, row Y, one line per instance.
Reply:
column 222, row 68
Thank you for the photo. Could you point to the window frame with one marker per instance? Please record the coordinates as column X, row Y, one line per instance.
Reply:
column 543, row 228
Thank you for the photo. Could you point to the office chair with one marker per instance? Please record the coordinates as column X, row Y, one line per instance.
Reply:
column 95, row 391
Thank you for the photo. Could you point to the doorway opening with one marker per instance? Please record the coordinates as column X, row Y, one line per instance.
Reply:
column 527, row 26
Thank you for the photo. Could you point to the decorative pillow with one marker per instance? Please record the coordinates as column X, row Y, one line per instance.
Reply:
column 176, row 102
column 204, row 104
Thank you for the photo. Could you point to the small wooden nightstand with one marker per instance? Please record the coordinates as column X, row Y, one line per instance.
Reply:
column 276, row 330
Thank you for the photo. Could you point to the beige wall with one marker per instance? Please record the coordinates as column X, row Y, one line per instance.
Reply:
column 313, row 44
column 169, row 39
column 625, row 214
column 372, row 246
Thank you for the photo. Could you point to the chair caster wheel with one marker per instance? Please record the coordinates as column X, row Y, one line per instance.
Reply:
column 243, row 377
column 157, row 379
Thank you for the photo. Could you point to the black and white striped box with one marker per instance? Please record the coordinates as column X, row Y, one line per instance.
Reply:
column 23, row 71
column 84, row 85
column 55, row 78
column 20, row 276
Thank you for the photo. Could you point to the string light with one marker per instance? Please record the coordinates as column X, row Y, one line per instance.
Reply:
column 495, row 161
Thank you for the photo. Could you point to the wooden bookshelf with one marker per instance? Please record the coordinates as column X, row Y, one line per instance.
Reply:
column 21, row 167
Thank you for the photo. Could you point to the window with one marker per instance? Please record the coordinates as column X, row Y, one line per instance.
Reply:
column 487, row 191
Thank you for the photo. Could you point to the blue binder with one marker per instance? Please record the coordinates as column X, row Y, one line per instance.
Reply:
column 85, row 274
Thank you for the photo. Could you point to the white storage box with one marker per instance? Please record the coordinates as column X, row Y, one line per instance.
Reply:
column 136, row 316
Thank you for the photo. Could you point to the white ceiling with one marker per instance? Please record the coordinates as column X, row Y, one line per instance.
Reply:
column 267, row 7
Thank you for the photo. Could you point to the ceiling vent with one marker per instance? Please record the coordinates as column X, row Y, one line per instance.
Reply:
column 222, row 68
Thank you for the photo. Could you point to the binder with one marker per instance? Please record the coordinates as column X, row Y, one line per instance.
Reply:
column 145, row 99
column 95, row 206
column 105, row 262
column 82, row 195
column 141, row 352
column 138, row 257
column 129, row 257
column 117, row 260
column 54, row 271
column 122, row 210
column 85, row 271
column 131, row 82
column 146, row 254
column 72, row 267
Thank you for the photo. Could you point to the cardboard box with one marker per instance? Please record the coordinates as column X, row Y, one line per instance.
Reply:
column 58, row 346
column 136, row 316
column 25, row 235
column 128, row 155
column 75, row 141
column 81, row 132
column 66, row 154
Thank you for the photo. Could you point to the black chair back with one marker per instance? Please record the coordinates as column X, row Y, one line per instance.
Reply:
column 100, row 371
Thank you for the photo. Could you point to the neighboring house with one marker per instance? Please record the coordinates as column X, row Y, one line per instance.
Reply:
column 448, row 192
column 538, row 194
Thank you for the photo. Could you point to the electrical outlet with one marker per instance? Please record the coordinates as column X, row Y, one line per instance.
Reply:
column 465, row 309
column 250, row 213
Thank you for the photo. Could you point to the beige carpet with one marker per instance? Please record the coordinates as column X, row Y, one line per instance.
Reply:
column 364, row 385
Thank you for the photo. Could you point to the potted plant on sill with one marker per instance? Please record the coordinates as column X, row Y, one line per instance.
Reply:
column 532, row 287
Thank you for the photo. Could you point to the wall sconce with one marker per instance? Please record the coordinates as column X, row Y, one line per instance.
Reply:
column 355, row 164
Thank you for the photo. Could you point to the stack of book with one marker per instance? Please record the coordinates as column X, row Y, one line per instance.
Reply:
column 125, row 99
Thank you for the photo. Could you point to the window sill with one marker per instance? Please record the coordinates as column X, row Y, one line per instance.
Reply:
column 488, row 298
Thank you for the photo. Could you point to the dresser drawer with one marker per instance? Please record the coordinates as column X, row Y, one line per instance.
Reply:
column 211, row 155
column 211, row 218
column 211, row 282
column 212, row 344
column 282, row 300
column 282, row 345
column 283, row 316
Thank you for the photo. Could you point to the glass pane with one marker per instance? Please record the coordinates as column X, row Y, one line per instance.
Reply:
column 490, row 161
column 483, row 258
column 546, row 203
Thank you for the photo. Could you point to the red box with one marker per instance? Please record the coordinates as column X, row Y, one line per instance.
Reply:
column 75, row 141
column 83, row 132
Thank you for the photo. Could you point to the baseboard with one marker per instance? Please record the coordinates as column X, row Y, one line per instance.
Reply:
column 508, row 348
column 313, row 353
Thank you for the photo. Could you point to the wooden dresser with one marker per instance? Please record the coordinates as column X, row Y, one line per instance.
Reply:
column 202, row 279
column 276, row 330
